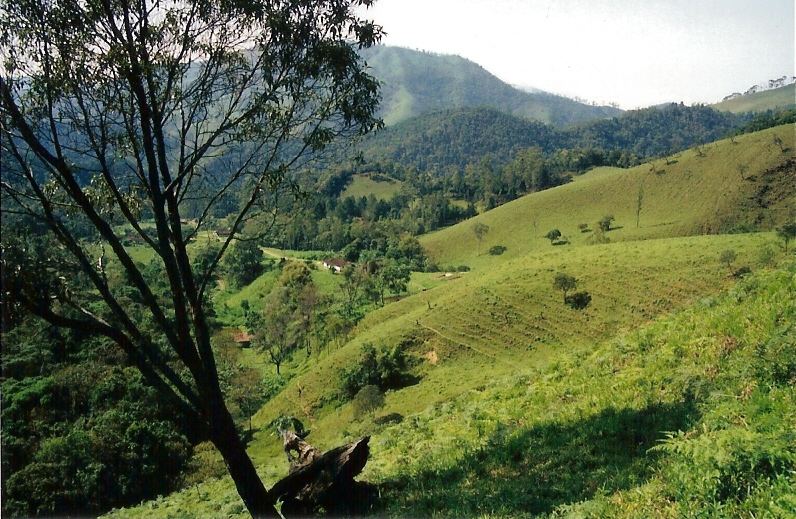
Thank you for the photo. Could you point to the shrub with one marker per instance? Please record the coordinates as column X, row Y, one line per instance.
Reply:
column 497, row 250
column 553, row 235
column 766, row 256
column 385, row 369
column 605, row 222
column 390, row 418
column 368, row 400
column 579, row 300
column 728, row 257
column 462, row 268
column 741, row 272
column 583, row 227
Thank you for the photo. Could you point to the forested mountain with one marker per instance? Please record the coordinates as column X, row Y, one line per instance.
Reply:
column 463, row 136
column 415, row 83
column 459, row 137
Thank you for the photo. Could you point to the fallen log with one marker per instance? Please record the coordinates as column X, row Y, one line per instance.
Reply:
column 322, row 482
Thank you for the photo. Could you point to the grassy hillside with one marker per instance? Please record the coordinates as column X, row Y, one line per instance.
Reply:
column 415, row 83
column 366, row 185
column 692, row 416
column 782, row 97
column 692, row 194
column 522, row 405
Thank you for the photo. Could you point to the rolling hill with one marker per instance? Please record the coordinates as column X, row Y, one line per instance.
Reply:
column 782, row 97
column 512, row 382
column 415, row 83
column 692, row 194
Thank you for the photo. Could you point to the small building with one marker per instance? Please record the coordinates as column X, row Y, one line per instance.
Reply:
column 243, row 339
column 336, row 265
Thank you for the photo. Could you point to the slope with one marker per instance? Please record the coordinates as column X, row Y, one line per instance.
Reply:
column 415, row 82
column 503, row 319
column 782, row 97
column 716, row 188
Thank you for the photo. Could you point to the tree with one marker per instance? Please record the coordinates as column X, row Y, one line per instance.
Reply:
column 565, row 283
column 392, row 276
column 287, row 317
column 243, row 263
column 606, row 221
column 742, row 169
column 368, row 400
column 639, row 204
column 779, row 143
column 728, row 257
column 114, row 111
column 553, row 235
column 480, row 230
column 787, row 232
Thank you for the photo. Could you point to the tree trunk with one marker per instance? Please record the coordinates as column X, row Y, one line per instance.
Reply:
column 225, row 437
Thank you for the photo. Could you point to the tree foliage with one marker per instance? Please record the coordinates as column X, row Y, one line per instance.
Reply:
column 111, row 111
column 565, row 283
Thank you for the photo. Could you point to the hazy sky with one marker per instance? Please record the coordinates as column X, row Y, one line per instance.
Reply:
column 633, row 52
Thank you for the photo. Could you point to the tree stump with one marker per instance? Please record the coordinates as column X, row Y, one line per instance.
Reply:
column 322, row 481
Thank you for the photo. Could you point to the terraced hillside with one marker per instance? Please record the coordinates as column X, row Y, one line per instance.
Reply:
column 471, row 335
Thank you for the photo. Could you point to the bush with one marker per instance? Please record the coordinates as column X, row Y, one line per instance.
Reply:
column 579, row 300
column 728, row 257
column 462, row 268
column 741, row 272
column 605, row 222
column 583, row 227
column 497, row 250
column 390, row 418
column 385, row 370
column 368, row 400
column 553, row 235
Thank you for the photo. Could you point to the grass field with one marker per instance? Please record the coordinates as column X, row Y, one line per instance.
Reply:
column 691, row 195
column 366, row 185
column 524, row 405
column 782, row 97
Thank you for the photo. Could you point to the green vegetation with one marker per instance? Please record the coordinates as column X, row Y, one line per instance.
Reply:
column 693, row 195
column 781, row 97
column 690, row 416
column 496, row 346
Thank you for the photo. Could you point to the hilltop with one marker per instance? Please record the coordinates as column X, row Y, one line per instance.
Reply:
column 760, row 101
column 415, row 83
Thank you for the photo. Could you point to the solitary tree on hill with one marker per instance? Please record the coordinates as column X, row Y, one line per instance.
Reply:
column 114, row 111
column 639, row 203
column 553, row 235
column 480, row 230
column 606, row 221
column 728, row 257
column 565, row 283
column 787, row 232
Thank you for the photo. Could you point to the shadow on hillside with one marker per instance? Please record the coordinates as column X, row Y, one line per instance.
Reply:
column 533, row 471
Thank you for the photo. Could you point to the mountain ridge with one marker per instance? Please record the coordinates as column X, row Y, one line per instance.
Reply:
column 415, row 83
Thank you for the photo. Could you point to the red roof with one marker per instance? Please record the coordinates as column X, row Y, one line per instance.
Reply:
column 241, row 336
